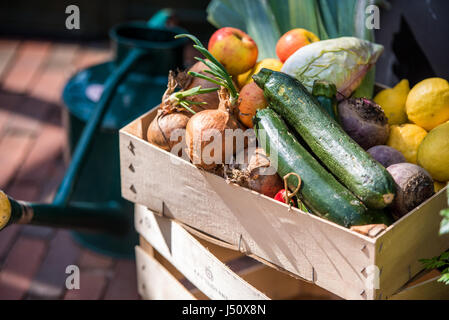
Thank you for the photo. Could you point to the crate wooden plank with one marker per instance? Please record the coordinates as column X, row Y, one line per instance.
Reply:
column 412, row 238
column 201, row 267
column 275, row 284
column 164, row 286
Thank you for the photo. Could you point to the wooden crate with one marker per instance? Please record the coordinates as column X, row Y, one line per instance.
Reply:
column 174, row 264
column 343, row 262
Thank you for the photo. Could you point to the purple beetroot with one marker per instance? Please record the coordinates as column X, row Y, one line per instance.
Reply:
column 364, row 121
column 386, row 155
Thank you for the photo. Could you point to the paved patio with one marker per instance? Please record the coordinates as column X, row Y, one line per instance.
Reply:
column 33, row 259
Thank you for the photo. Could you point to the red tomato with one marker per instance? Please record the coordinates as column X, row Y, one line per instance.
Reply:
column 280, row 196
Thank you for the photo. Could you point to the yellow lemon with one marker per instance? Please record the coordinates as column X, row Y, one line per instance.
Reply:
column 269, row 63
column 433, row 154
column 428, row 103
column 439, row 185
column 406, row 138
column 393, row 101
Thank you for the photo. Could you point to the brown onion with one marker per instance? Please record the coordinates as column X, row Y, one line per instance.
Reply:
column 163, row 126
column 202, row 129
column 171, row 116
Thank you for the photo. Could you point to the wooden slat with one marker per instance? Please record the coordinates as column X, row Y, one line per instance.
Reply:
column 275, row 284
column 164, row 286
column 199, row 265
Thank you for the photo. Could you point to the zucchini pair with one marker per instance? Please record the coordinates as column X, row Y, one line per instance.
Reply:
column 368, row 180
column 320, row 191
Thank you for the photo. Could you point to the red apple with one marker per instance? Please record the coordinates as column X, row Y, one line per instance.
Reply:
column 292, row 41
column 235, row 50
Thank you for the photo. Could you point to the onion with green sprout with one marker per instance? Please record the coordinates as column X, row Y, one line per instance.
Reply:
column 206, row 126
column 174, row 113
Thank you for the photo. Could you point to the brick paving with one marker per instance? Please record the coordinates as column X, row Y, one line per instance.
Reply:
column 32, row 142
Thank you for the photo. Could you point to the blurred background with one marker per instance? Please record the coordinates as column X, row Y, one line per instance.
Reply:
column 38, row 55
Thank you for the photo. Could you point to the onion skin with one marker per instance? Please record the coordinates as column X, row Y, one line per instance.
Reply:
column 198, row 137
column 386, row 155
column 414, row 185
column 202, row 129
column 364, row 121
column 162, row 127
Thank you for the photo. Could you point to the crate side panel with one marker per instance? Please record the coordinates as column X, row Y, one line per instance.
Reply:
column 412, row 238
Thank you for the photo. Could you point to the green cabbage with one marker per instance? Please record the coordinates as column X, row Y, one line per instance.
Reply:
column 342, row 61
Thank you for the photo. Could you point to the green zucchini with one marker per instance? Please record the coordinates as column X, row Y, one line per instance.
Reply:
column 325, row 93
column 354, row 167
column 320, row 191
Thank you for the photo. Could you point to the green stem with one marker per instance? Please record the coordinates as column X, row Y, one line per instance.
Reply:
column 179, row 97
column 216, row 67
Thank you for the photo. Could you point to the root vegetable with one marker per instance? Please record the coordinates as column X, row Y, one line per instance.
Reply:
column 386, row 155
column 207, row 133
column 364, row 121
column 162, row 127
column 251, row 99
column 174, row 113
column 260, row 176
column 414, row 186
column 202, row 131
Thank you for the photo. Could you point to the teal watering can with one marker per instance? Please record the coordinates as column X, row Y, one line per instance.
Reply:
column 100, row 100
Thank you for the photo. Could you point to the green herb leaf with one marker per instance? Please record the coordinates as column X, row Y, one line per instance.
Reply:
column 444, row 278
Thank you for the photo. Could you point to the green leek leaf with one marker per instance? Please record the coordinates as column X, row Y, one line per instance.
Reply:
column 329, row 17
column 219, row 15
